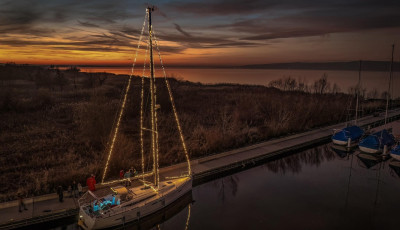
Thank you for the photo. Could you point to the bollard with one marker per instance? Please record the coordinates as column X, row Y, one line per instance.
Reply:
column 349, row 143
column 384, row 149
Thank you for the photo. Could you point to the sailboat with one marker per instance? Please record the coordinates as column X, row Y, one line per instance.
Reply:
column 117, row 205
column 353, row 133
column 395, row 152
column 376, row 142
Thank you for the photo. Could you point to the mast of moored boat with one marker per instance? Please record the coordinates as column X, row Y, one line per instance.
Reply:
column 390, row 79
column 154, row 134
column 358, row 91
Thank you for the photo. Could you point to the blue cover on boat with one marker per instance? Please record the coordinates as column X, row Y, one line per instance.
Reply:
column 378, row 140
column 353, row 132
column 396, row 150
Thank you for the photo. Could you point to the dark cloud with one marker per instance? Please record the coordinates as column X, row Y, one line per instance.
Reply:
column 87, row 24
column 273, row 19
column 245, row 7
column 178, row 28
column 130, row 31
column 111, row 26
column 312, row 22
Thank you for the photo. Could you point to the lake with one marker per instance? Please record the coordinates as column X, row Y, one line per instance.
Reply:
column 315, row 189
column 344, row 79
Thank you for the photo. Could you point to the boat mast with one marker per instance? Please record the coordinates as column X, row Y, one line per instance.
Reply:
column 390, row 79
column 358, row 91
column 153, row 106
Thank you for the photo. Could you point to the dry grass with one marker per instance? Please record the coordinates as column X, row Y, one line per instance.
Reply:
column 55, row 126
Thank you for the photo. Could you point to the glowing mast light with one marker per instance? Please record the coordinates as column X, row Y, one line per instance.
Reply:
column 122, row 106
column 154, row 145
column 154, row 134
column 171, row 98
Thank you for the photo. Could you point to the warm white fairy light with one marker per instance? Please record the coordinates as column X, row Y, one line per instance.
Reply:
column 141, row 109
column 125, row 179
column 122, row 106
column 174, row 108
column 187, row 219
column 157, row 174
column 153, row 140
column 176, row 177
column 149, row 185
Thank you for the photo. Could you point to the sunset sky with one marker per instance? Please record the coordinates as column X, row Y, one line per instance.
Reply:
column 207, row 33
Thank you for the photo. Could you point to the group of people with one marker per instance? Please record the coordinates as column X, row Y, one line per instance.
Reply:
column 75, row 189
column 127, row 175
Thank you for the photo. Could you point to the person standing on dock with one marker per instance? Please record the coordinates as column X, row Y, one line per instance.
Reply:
column 121, row 174
column 80, row 189
column 60, row 193
column 74, row 189
column 127, row 176
column 21, row 203
column 91, row 182
column 70, row 191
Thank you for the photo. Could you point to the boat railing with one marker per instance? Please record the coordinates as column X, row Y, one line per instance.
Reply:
column 117, row 210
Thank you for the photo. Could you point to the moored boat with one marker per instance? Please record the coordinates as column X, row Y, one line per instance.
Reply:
column 395, row 152
column 350, row 135
column 354, row 133
column 121, row 205
column 118, row 205
column 375, row 143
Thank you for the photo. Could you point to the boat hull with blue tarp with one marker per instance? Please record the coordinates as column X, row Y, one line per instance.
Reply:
column 395, row 152
column 353, row 132
column 375, row 142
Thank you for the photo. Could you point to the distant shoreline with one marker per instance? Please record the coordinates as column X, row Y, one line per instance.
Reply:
column 344, row 66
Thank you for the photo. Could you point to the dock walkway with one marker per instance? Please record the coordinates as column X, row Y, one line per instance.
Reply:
column 47, row 207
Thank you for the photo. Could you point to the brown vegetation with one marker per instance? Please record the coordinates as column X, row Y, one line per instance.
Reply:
column 55, row 124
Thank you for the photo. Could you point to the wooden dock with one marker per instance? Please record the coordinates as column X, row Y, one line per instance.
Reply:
column 47, row 208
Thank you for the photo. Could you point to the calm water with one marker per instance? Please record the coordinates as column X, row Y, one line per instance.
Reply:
column 314, row 189
column 344, row 79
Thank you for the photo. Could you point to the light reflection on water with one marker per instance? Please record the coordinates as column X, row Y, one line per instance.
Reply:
column 314, row 189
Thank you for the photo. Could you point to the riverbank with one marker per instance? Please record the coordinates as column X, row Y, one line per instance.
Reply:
column 204, row 169
column 56, row 124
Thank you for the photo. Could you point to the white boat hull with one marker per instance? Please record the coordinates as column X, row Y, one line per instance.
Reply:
column 395, row 156
column 369, row 150
column 134, row 212
column 338, row 142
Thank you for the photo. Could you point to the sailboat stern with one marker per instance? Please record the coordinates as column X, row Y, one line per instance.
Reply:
column 85, row 221
column 174, row 188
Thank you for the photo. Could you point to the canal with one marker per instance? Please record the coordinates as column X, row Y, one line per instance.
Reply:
column 320, row 188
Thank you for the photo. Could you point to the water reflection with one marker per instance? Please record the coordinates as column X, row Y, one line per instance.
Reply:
column 320, row 188
column 369, row 160
column 295, row 162
column 156, row 221
column 226, row 186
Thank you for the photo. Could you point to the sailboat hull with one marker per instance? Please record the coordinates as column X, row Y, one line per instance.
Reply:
column 339, row 142
column 395, row 156
column 122, row 215
column 369, row 150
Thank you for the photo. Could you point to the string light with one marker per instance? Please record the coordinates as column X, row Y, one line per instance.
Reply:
column 122, row 106
column 153, row 144
column 141, row 107
column 125, row 179
column 173, row 108
column 154, row 117
column 187, row 219
column 157, row 174
column 176, row 177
